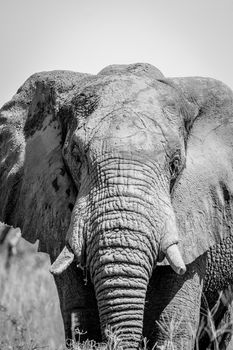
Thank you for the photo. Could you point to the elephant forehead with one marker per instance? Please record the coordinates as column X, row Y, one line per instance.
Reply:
column 132, row 113
column 144, row 98
column 113, row 91
column 134, row 92
column 128, row 129
column 125, row 130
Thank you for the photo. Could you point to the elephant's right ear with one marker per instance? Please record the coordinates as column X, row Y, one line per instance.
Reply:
column 202, row 196
column 36, row 192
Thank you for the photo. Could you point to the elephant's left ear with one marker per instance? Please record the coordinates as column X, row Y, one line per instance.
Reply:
column 203, row 195
column 36, row 192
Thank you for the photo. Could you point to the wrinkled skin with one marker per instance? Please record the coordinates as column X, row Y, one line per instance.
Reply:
column 125, row 178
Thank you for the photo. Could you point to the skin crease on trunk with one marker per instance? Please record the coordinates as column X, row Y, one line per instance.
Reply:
column 114, row 174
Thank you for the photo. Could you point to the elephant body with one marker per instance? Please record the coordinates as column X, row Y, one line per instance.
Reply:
column 125, row 178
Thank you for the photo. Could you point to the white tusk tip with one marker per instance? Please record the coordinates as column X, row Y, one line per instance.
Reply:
column 181, row 270
column 62, row 262
column 175, row 259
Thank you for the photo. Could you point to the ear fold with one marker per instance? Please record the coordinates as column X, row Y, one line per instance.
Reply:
column 36, row 192
column 202, row 197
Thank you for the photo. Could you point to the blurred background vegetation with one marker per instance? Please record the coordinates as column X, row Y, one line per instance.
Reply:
column 29, row 307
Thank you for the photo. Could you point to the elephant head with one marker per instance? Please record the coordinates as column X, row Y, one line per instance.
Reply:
column 116, row 173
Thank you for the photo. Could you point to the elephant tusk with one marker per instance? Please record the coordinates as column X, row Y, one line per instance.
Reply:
column 175, row 259
column 63, row 261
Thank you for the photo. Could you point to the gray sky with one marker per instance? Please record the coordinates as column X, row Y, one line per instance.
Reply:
column 180, row 37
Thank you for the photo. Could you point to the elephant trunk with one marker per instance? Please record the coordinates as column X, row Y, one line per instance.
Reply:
column 120, row 270
column 121, row 247
column 120, row 291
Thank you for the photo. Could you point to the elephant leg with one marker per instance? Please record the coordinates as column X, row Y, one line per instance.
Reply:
column 216, row 321
column 172, row 308
column 78, row 305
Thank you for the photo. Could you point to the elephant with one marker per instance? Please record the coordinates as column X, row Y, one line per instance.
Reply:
column 125, row 178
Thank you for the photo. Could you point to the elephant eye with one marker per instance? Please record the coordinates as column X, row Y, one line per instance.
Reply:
column 76, row 153
column 174, row 166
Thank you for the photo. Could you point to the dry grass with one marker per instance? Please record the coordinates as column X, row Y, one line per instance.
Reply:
column 29, row 308
column 114, row 343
